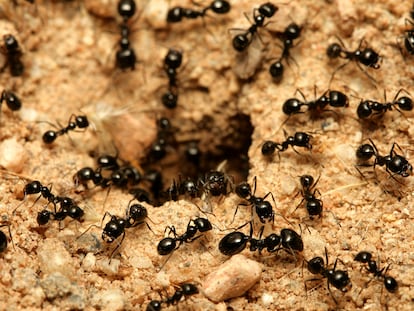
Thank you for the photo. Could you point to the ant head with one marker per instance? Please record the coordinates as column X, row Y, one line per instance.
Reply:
column 306, row 181
column 291, row 240
column 189, row 289
column 365, row 152
column 243, row 190
column 363, row 257
column 10, row 43
column 316, row 265
column 334, row 50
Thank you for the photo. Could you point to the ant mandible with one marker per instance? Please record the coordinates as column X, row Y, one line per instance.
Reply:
column 169, row 244
column 300, row 139
column 313, row 205
column 79, row 122
column 367, row 57
column 368, row 108
column 337, row 278
column 185, row 290
column 390, row 283
column 125, row 57
column 235, row 242
column 243, row 40
column 172, row 62
column 332, row 98
column 393, row 162
column 176, row 14
column 13, row 54
column 291, row 33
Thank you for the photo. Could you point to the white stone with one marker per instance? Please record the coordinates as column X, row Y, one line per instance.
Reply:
column 232, row 279
column 12, row 155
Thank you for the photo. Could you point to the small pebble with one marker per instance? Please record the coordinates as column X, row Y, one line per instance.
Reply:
column 102, row 8
column 53, row 257
column 111, row 299
column 108, row 266
column 56, row 285
column 13, row 155
column 232, row 279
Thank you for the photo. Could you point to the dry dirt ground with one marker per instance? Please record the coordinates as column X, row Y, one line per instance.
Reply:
column 68, row 52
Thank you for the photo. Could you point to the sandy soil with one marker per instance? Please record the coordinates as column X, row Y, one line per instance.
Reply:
column 69, row 51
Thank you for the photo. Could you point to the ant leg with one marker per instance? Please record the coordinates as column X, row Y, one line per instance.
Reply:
column 336, row 71
column 301, row 93
column 332, row 295
column 116, row 248
column 237, row 208
column 254, row 185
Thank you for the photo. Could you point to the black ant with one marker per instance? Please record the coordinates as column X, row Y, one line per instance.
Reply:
column 368, row 108
column 67, row 205
column 291, row 33
column 185, row 290
column 337, row 278
column 13, row 54
column 125, row 56
column 86, row 174
column 394, row 163
column 12, row 101
column 172, row 62
column 260, row 205
column 367, row 57
column 215, row 183
column 115, row 227
column 313, row 205
column 74, row 122
column 390, row 283
column 3, row 237
column 68, row 208
column 235, row 242
column 169, row 244
column 35, row 187
column 332, row 98
column 409, row 34
column 186, row 187
column 176, row 14
column 165, row 137
column 243, row 40
column 300, row 139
